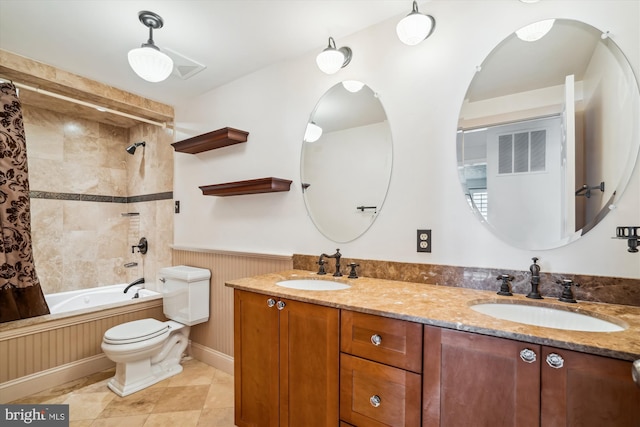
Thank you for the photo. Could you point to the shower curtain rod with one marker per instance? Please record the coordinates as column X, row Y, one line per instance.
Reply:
column 86, row 104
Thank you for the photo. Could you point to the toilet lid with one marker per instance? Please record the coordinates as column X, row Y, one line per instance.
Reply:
column 135, row 331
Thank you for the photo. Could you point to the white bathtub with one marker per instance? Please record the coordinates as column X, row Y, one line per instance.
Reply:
column 63, row 302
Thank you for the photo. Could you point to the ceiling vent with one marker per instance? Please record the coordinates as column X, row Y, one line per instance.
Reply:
column 183, row 67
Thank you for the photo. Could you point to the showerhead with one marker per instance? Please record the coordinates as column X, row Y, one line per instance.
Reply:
column 132, row 148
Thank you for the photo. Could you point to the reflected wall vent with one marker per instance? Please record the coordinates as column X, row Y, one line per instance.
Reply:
column 183, row 67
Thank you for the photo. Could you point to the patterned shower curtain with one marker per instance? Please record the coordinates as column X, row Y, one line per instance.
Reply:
column 20, row 292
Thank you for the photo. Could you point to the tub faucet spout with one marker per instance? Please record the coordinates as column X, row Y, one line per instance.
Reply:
column 135, row 282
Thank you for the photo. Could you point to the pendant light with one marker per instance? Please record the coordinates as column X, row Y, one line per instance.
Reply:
column 147, row 61
column 331, row 60
column 415, row 27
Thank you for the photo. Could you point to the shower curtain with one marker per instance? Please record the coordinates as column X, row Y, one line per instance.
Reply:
column 20, row 292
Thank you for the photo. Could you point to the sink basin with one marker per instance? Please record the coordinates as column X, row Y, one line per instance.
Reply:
column 548, row 317
column 313, row 285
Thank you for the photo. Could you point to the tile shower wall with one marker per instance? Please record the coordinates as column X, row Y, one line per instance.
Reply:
column 81, row 181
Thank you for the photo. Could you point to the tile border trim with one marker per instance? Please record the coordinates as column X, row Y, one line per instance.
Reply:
column 100, row 198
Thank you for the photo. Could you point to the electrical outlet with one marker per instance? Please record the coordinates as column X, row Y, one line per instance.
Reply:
column 176, row 207
column 424, row 240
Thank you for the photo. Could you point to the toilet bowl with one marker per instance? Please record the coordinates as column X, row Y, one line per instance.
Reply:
column 147, row 351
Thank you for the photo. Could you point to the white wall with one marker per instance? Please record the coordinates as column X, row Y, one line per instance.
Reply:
column 422, row 89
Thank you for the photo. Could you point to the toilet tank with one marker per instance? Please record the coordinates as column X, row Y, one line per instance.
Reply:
column 185, row 293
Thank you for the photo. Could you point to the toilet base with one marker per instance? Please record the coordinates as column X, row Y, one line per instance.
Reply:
column 156, row 365
column 125, row 383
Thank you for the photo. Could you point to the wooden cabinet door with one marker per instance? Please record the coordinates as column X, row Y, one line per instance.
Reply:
column 256, row 334
column 309, row 365
column 476, row 380
column 587, row 391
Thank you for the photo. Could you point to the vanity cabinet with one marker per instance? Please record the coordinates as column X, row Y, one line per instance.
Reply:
column 471, row 379
column 285, row 362
column 380, row 371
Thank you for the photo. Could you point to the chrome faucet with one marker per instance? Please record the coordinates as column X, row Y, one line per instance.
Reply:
column 321, row 263
column 535, row 280
column 135, row 282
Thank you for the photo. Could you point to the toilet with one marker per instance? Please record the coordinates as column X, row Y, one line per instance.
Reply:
column 147, row 351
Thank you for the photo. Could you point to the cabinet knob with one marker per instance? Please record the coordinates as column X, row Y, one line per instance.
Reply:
column 375, row 400
column 528, row 355
column 555, row 360
column 376, row 339
column 280, row 305
column 271, row 302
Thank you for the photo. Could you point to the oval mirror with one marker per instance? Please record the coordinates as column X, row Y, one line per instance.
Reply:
column 346, row 161
column 548, row 134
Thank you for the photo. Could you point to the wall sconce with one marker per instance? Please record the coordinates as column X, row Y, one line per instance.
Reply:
column 415, row 27
column 631, row 234
column 331, row 60
column 147, row 61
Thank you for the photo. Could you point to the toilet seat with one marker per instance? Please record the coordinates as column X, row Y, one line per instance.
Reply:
column 136, row 331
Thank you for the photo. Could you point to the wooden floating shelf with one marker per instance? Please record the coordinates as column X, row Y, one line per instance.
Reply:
column 252, row 186
column 210, row 141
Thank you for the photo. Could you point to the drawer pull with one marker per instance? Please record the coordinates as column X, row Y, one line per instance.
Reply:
column 271, row 302
column 376, row 339
column 280, row 305
column 555, row 361
column 375, row 400
column 528, row 355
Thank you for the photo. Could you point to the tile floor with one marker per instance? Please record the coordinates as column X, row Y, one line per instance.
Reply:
column 200, row 396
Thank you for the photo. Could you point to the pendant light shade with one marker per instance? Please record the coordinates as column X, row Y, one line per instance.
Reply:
column 331, row 60
column 415, row 27
column 150, row 64
column 147, row 61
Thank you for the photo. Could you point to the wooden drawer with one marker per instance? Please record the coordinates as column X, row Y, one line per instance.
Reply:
column 398, row 391
column 400, row 342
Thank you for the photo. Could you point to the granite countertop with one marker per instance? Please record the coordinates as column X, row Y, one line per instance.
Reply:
column 449, row 307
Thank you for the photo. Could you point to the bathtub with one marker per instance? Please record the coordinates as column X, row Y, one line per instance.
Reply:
column 64, row 302
column 44, row 351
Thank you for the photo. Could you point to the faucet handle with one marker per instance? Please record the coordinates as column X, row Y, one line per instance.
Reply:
column 567, row 293
column 321, row 269
column 353, row 274
column 505, row 290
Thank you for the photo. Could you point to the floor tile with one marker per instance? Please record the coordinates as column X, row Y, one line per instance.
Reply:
column 200, row 396
column 219, row 395
column 181, row 398
column 138, row 403
column 128, row 421
column 172, row 419
column 216, row 417
column 87, row 406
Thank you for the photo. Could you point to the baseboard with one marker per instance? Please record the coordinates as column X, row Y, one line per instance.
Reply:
column 211, row 357
column 43, row 380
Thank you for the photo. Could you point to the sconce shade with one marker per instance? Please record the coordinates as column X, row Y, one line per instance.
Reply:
column 331, row 59
column 150, row 64
column 415, row 27
column 313, row 132
column 535, row 31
